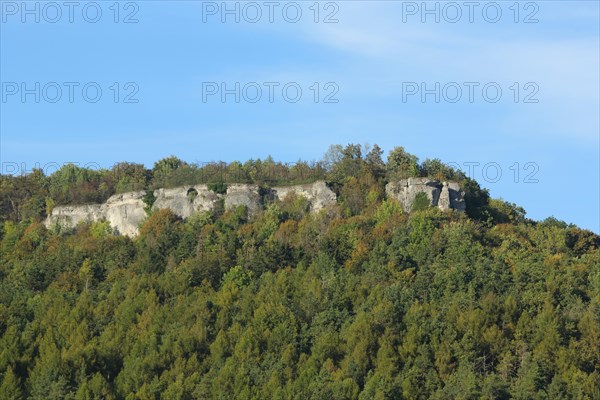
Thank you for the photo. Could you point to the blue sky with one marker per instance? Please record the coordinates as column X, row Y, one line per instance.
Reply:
column 368, row 61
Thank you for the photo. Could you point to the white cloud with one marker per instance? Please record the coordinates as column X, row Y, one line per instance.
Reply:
column 385, row 52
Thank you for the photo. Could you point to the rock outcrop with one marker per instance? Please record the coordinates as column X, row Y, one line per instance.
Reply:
column 444, row 195
column 319, row 195
column 240, row 194
column 69, row 216
column 187, row 200
column 125, row 212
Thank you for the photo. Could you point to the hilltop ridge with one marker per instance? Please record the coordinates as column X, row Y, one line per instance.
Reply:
column 357, row 176
column 125, row 212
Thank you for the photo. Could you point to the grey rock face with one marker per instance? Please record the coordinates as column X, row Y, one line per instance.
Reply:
column 125, row 212
column 457, row 197
column 406, row 190
column 186, row 200
column 318, row 194
column 240, row 194
column 444, row 201
column 446, row 195
column 70, row 216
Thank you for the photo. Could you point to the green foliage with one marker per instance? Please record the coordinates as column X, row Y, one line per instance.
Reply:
column 360, row 301
column 218, row 187
column 501, row 212
column 375, row 162
column 581, row 241
column 158, row 238
column 358, row 181
column 100, row 229
column 192, row 194
column 476, row 199
column 344, row 163
column 128, row 177
column 421, row 202
column 401, row 164
column 437, row 169
column 387, row 211
column 149, row 200
column 20, row 196
column 356, row 173
column 167, row 165
column 10, row 387
column 294, row 207
column 238, row 277
column 34, row 208
column 75, row 185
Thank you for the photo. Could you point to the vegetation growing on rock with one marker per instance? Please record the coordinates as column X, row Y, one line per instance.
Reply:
column 359, row 301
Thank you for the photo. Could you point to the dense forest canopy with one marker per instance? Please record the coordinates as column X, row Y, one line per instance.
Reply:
column 358, row 301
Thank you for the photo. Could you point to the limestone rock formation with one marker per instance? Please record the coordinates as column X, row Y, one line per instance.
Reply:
column 457, row 197
column 123, row 211
column 445, row 195
column 69, row 216
column 240, row 194
column 318, row 194
column 187, row 200
column 444, row 199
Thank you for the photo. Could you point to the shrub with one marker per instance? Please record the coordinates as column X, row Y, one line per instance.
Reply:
column 149, row 200
column 159, row 235
column 218, row 188
column 421, row 202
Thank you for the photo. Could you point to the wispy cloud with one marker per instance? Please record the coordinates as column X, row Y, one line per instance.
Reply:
column 385, row 52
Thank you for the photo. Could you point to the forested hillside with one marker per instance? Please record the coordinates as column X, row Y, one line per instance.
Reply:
column 358, row 301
